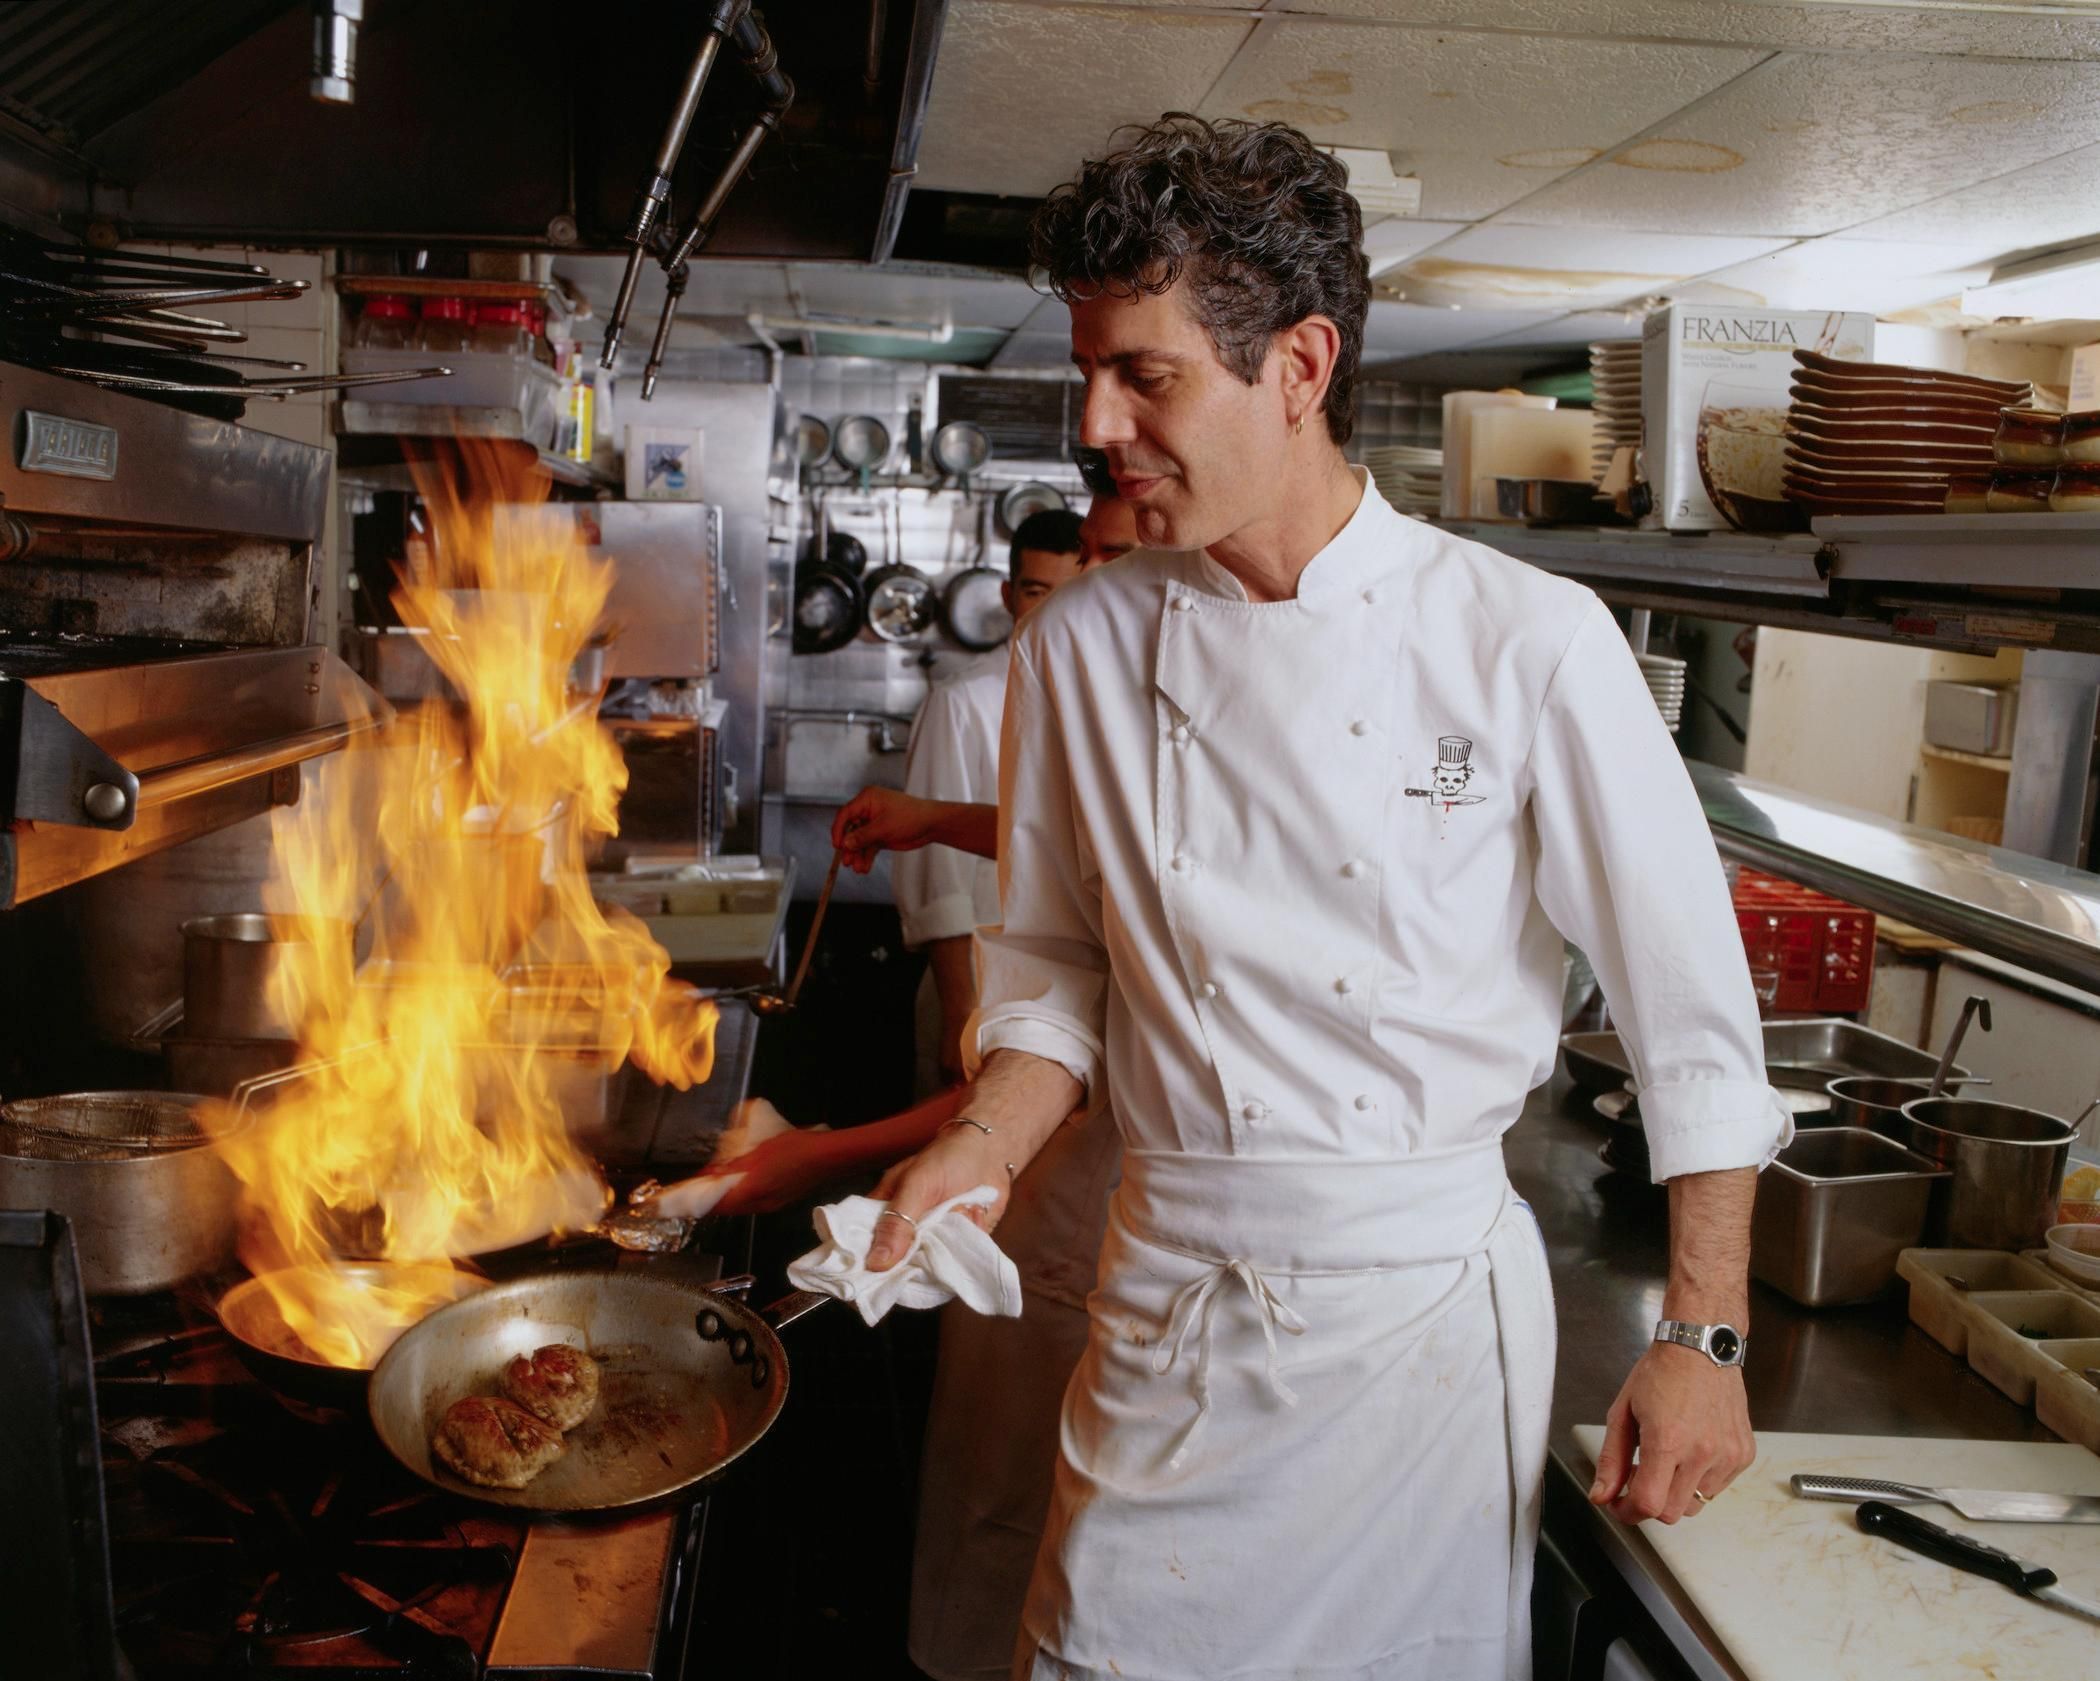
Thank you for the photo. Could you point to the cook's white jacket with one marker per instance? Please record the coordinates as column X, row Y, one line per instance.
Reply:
column 1290, row 879
column 943, row 894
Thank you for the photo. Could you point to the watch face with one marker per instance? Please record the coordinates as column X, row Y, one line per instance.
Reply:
column 1727, row 1347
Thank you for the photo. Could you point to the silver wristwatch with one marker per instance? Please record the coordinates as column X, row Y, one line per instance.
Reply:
column 1722, row 1344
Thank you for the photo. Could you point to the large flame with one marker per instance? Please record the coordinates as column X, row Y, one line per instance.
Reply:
column 431, row 1125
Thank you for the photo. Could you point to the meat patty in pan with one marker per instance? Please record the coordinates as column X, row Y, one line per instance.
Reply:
column 494, row 1442
column 557, row 1384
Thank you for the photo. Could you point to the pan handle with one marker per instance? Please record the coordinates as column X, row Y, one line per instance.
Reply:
column 793, row 1306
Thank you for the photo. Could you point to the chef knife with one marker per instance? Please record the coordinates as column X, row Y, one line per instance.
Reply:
column 1907, row 1529
column 1982, row 1505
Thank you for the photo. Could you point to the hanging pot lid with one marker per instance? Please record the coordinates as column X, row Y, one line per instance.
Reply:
column 860, row 443
column 812, row 440
column 901, row 603
column 973, row 606
column 961, row 447
column 1017, row 502
column 828, row 604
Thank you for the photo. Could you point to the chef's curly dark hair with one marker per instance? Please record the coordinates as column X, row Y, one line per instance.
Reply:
column 1257, row 219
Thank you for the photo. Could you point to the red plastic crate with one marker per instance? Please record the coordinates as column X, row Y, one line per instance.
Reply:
column 1822, row 947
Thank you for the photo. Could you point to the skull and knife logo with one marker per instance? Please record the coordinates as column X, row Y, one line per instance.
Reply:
column 1454, row 770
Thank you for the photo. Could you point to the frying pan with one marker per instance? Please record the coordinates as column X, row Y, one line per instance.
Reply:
column 960, row 448
column 273, row 1352
column 688, row 1379
column 1031, row 496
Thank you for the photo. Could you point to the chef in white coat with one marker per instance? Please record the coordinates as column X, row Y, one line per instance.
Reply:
column 1261, row 904
column 943, row 894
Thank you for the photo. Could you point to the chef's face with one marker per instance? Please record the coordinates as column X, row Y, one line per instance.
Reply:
column 1195, row 449
column 1040, row 572
column 1108, row 532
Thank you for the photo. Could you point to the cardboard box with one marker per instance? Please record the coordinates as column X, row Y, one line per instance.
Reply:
column 2085, row 378
column 1714, row 382
column 663, row 464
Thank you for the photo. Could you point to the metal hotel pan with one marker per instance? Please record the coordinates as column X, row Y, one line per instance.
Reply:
column 688, row 1379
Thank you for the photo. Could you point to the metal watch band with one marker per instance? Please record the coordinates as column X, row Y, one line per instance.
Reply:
column 1722, row 1344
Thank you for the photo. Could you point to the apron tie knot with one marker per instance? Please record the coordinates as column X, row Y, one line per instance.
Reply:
column 1192, row 1311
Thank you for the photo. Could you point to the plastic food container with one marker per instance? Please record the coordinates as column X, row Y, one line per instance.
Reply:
column 1835, row 1211
column 2007, row 1327
column 1940, row 1280
column 2075, row 1252
column 2065, row 1399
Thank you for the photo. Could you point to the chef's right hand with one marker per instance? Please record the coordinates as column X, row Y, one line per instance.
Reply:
column 959, row 1160
column 881, row 820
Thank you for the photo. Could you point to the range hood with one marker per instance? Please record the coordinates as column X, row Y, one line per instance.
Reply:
column 486, row 123
column 157, row 680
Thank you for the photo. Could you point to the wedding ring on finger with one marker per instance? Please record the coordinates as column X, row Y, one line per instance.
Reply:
column 899, row 1214
column 1703, row 1499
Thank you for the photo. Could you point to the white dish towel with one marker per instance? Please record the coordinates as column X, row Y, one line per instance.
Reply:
column 951, row 1258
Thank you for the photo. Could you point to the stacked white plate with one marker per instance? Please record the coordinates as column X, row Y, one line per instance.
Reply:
column 1615, row 376
column 1666, row 683
column 1408, row 476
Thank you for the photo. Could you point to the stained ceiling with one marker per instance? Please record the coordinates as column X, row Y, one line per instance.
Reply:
column 1577, row 157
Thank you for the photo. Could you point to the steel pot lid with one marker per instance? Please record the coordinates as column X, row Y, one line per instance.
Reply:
column 827, row 610
column 860, row 442
column 961, row 447
column 1021, row 500
column 901, row 603
column 973, row 606
column 812, row 440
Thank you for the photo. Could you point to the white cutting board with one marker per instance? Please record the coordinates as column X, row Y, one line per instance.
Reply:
column 1797, row 1593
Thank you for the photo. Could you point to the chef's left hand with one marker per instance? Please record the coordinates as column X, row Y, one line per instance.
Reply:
column 1691, row 1422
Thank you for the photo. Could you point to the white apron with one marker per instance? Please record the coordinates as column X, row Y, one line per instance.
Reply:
column 1309, row 1432
column 1291, row 879
column 991, row 1432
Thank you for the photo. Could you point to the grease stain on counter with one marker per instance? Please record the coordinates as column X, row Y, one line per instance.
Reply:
column 1323, row 84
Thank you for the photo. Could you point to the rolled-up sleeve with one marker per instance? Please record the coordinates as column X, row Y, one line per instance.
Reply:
column 1043, row 970
column 935, row 886
column 1627, row 869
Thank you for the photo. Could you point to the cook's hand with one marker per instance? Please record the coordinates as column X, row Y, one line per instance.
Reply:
column 881, row 820
column 1691, row 1422
column 959, row 1160
column 783, row 1170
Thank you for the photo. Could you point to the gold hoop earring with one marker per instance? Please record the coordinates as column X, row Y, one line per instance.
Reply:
column 1300, row 427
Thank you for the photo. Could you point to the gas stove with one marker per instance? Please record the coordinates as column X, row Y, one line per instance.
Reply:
column 253, row 1534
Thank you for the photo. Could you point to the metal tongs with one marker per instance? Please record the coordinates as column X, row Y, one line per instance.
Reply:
column 731, row 21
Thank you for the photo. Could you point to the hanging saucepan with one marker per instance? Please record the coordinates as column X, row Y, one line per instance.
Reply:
column 901, row 603
column 960, row 448
column 973, row 606
column 688, row 1379
column 1017, row 502
column 846, row 552
column 860, row 443
column 827, row 612
column 812, row 441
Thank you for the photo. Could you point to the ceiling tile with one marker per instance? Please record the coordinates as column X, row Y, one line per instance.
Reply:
column 1034, row 350
column 1504, row 263
column 1814, row 144
column 1573, row 332
column 1021, row 94
column 1484, row 120
column 2009, row 30
column 1397, row 238
column 1846, row 273
column 2048, row 203
column 1403, row 329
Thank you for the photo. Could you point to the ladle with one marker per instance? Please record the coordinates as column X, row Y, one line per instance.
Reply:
column 1978, row 1007
column 766, row 1002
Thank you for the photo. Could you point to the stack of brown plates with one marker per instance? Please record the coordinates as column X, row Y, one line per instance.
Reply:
column 1615, row 382
column 1876, row 438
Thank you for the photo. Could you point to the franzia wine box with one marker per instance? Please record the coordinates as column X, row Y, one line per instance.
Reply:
column 1714, row 400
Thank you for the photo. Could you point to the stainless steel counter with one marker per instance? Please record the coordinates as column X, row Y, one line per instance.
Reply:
column 1861, row 1370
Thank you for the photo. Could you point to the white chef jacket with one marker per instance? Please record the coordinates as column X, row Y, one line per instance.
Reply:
column 943, row 894
column 1285, row 885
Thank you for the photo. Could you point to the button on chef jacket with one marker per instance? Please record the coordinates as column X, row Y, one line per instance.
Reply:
column 1285, row 886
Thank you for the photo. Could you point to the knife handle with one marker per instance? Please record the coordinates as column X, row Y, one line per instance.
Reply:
column 1812, row 1487
column 1907, row 1529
